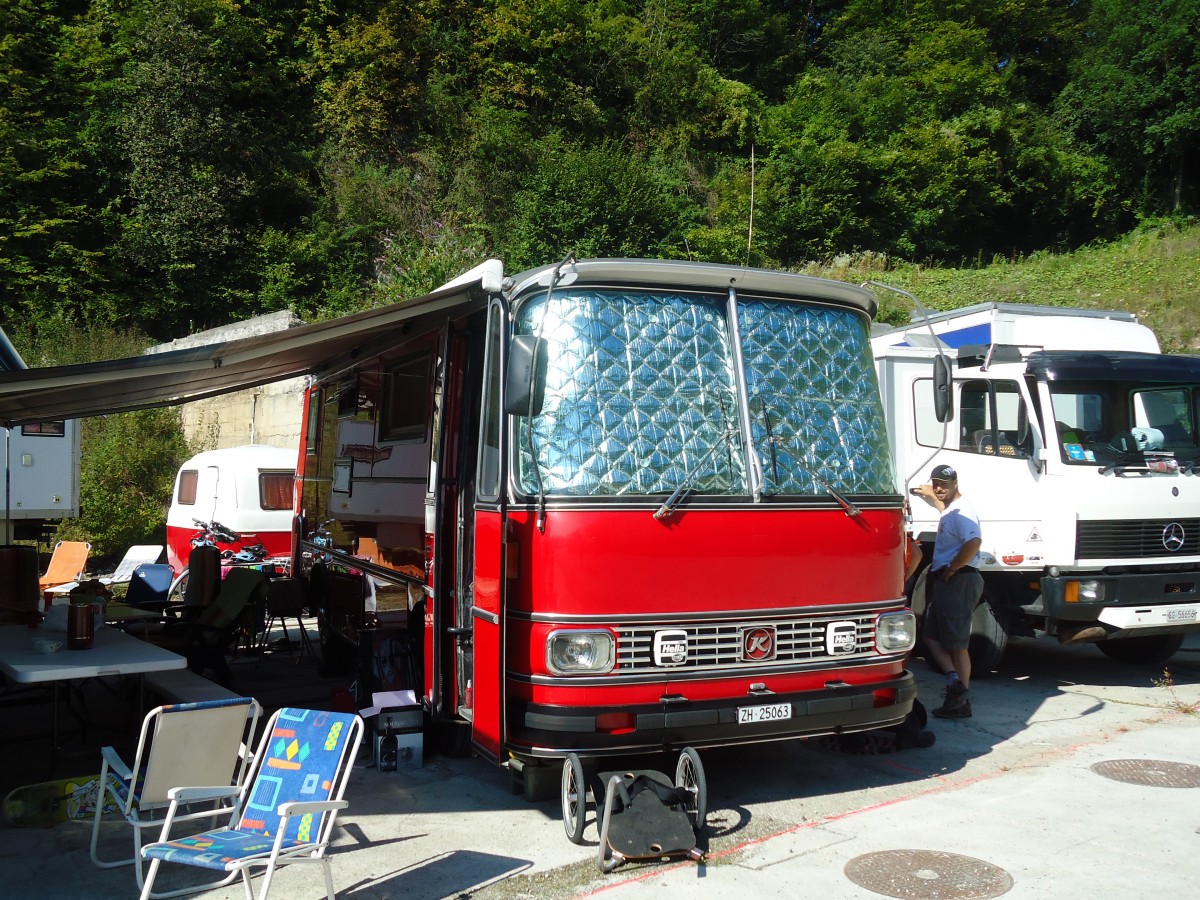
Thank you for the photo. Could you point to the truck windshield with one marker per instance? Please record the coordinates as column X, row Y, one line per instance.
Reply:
column 642, row 396
column 1099, row 423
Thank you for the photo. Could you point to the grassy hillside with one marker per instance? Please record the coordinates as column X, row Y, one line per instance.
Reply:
column 1153, row 272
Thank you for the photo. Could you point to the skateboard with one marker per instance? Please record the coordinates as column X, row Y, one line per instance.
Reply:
column 50, row 802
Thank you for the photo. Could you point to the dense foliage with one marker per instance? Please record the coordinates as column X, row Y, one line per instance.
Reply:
column 167, row 165
column 172, row 164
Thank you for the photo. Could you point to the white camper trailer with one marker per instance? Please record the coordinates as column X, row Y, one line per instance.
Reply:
column 247, row 489
column 41, row 468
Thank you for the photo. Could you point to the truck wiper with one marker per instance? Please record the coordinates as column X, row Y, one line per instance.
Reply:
column 669, row 506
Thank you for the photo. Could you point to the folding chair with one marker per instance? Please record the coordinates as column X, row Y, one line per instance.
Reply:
column 285, row 815
column 149, row 586
column 286, row 598
column 67, row 563
column 186, row 743
column 137, row 555
column 215, row 629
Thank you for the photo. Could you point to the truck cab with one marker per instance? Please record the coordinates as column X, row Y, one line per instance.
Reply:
column 1076, row 442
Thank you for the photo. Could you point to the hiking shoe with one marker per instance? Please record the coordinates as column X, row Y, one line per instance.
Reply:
column 955, row 689
column 954, row 708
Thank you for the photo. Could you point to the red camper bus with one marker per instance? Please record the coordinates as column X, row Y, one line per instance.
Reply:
column 629, row 505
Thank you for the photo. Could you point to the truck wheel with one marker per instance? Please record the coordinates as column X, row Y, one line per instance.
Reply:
column 1142, row 651
column 988, row 640
column 988, row 637
column 574, row 797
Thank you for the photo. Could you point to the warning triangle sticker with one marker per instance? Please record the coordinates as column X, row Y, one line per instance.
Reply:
column 1034, row 536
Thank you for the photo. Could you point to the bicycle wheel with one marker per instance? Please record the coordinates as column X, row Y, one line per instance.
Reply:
column 178, row 589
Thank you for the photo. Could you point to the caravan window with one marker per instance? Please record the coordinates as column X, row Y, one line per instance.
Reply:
column 275, row 490
column 42, row 429
column 186, row 495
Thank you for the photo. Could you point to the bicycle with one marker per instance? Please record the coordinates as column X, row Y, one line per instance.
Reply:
column 234, row 553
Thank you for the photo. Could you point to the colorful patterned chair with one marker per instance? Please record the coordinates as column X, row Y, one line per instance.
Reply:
column 185, row 743
column 286, row 814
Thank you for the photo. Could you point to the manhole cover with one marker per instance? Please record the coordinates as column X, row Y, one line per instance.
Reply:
column 928, row 875
column 1151, row 772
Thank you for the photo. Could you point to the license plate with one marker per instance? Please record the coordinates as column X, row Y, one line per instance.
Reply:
column 748, row 715
column 1182, row 614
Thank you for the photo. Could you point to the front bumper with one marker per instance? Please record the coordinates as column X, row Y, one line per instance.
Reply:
column 1132, row 603
column 544, row 730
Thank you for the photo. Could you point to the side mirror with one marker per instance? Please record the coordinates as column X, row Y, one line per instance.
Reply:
column 1022, row 424
column 526, row 379
column 943, row 395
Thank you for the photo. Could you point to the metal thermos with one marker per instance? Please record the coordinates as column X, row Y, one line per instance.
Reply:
column 81, row 624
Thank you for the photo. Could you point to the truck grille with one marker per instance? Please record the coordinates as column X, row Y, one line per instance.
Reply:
column 1134, row 539
column 718, row 645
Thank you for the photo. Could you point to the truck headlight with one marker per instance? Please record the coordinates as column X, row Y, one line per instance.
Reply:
column 1084, row 591
column 580, row 652
column 895, row 632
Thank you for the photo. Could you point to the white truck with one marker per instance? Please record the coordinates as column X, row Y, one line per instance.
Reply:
column 1077, row 442
column 40, row 468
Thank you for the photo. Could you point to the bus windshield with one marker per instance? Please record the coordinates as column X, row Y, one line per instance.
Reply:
column 642, row 395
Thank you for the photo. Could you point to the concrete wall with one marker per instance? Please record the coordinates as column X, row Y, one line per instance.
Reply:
column 269, row 414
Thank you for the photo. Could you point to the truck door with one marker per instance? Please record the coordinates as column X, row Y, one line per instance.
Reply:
column 996, row 465
column 488, row 559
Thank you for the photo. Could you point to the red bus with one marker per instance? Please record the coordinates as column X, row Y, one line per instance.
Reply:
column 621, row 506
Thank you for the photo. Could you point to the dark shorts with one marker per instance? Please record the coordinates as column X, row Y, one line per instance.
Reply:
column 951, row 605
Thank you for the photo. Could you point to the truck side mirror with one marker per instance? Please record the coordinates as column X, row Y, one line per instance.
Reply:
column 943, row 396
column 1022, row 424
column 526, row 379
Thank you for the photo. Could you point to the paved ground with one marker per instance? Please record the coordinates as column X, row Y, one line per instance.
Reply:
column 1008, row 800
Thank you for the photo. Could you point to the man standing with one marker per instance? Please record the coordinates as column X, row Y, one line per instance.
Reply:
column 955, row 587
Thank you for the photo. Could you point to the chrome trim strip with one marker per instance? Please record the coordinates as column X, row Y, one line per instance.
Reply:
column 679, row 674
column 753, row 463
column 706, row 503
column 742, row 616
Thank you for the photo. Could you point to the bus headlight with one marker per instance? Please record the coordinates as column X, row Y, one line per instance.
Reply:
column 580, row 652
column 895, row 632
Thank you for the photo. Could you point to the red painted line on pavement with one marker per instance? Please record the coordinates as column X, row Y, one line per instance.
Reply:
column 942, row 785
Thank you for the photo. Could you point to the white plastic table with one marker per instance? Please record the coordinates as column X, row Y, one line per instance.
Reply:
column 113, row 653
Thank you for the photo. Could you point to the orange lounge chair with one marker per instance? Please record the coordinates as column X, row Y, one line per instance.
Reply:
column 67, row 563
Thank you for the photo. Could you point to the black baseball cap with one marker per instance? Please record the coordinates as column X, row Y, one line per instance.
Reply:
column 943, row 473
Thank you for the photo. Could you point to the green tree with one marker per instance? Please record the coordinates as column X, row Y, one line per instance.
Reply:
column 52, row 253
column 597, row 200
column 1132, row 97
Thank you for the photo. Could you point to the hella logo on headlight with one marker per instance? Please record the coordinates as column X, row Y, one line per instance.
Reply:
column 670, row 648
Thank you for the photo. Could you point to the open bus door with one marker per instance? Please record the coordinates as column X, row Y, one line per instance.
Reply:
column 464, row 640
column 485, row 699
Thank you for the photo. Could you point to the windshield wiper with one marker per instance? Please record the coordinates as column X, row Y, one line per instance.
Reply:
column 670, row 504
column 775, row 440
